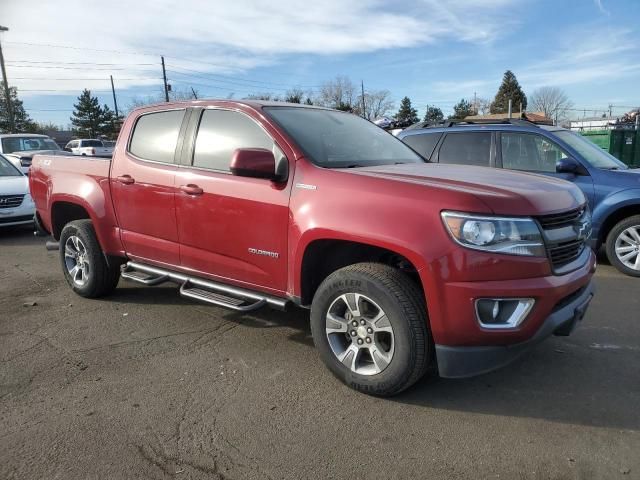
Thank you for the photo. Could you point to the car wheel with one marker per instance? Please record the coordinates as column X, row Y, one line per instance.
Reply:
column 623, row 246
column 84, row 265
column 369, row 323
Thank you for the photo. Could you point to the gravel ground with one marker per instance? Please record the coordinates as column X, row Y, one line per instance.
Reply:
column 145, row 384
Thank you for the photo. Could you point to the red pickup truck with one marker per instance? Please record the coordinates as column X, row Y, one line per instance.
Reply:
column 406, row 266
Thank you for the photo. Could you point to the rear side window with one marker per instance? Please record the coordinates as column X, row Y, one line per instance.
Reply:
column 91, row 143
column 220, row 133
column 424, row 143
column 466, row 148
column 155, row 136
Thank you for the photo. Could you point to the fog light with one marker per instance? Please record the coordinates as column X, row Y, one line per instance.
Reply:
column 503, row 312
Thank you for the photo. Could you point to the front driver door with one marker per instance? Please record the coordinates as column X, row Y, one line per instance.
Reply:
column 231, row 227
column 535, row 153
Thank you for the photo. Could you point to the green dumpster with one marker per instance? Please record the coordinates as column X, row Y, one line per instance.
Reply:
column 601, row 138
column 625, row 146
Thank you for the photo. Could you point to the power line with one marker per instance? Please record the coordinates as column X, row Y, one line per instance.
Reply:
column 237, row 84
column 239, row 79
column 80, row 63
column 82, row 79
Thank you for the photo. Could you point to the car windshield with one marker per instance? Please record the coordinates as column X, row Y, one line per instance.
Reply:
column 594, row 155
column 333, row 139
column 91, row 143
column 7, row 169
column 26, row 144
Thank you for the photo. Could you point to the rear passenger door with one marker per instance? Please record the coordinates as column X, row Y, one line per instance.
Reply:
column 142, row 187
column 231, row 227
column 468, row 148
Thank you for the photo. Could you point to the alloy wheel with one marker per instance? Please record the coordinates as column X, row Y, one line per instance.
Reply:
column 360, row 334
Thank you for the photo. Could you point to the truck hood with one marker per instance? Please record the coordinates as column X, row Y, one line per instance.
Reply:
column 504, row 192
column 14, row 185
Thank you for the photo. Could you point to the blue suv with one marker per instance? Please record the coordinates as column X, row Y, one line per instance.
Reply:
column 612, row 189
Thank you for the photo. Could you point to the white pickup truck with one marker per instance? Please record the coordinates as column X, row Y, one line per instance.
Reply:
column 89, row 147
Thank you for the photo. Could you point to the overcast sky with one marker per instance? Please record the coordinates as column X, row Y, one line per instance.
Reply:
column 436, row 52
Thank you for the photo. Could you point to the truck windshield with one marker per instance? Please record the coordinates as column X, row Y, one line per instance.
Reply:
column 7, row 169
column 26, row 144
column 333, row 139
column 594, row 155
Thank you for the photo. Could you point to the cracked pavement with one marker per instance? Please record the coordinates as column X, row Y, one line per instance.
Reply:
column 145, row 384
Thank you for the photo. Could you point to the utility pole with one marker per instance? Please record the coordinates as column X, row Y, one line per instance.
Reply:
column 610, row 110
column 7, row 93
column 475, row 104
column 509, row 108
column 164, row 78
column 195, row 95
column 113, row 91
column 364, row 108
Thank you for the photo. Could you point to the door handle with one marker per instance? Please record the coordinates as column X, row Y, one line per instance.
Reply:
column 191, row 189
column 126, row 179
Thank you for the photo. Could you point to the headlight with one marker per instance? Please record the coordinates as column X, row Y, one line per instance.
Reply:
column 513, row 236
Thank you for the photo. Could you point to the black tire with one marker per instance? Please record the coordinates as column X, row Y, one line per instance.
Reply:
column 102, row 276
column 615, row 232
column 405, row 308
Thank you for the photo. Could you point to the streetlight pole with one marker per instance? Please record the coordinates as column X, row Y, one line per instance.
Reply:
column 6, row 85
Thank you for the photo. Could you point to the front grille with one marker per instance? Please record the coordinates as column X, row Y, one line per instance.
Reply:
column 559, row 220
column 566, row 252
column 11, row 201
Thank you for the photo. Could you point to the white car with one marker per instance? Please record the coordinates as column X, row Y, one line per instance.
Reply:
column 23, row 146
column 16, row 204
column 88, row 147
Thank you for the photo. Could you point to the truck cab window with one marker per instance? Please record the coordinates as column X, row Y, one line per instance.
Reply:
column 155, row 136
column 221, row 132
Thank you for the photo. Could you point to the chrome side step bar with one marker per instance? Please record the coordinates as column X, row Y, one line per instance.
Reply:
column 220, row 294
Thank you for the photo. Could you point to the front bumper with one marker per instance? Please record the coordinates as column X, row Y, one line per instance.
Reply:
column 21, row 215
column 467, row 361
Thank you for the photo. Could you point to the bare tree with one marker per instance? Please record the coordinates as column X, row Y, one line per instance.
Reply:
column 377, row 103
column 174, row 95
column 339, row 93
column 552, row 101
column 481, row 105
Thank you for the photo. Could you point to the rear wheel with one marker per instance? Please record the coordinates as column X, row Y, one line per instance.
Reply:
column 83, row 263
column 623, row 246
column 369, row 324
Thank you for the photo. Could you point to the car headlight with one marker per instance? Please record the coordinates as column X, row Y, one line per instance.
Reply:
column 512, row 236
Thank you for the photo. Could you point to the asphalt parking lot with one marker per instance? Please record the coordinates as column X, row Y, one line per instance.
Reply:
column 145, row 384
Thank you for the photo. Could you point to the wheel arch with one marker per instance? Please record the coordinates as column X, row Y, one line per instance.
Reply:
column 615, row 216
column 323, row 256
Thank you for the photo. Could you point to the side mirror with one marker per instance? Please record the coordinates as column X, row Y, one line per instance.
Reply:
column 254, row 163
column 567, row 165
column 67, row 149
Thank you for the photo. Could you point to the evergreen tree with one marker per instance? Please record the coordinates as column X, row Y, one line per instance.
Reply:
column 461, row 110
column 407, row 115
column 433, row 114
column 22, row 123
column 110, row 126
column 88, row 117
column 509, row 90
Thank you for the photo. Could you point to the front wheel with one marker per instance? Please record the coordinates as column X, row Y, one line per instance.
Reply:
column 84, row 265
column 369, row 323
column 623, row 246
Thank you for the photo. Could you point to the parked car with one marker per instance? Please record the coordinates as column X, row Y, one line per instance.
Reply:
column 22, row 147
column 88, row 147
column 611, row 188
column 247, row 204
column 16, row 205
